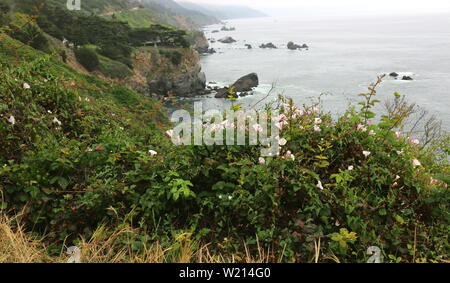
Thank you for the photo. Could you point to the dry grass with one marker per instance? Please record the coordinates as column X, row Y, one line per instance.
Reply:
column 112, row 247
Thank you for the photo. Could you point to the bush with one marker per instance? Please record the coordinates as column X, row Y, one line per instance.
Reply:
column 174, row 56
column 350, row 183
column 88, row 58
column 32, row 36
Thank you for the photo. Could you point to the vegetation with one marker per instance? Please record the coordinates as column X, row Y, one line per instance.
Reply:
column 88, row 163
column 174, row 55
column 88, row 58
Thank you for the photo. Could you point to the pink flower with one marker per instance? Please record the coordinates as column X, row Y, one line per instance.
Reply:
column 279, row 125
column 169, row 133
column 281, row 141
column 397, row 134
column 361, row 128
column 433, row 181
column 317, row 128
column 26, row 86
column 258, row 128
column 262, row 161
column 317, row 121
column 399, row 152
column 415, row 141
column 416, row 163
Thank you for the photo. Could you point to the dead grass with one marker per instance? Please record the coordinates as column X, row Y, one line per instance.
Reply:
column 105, row 246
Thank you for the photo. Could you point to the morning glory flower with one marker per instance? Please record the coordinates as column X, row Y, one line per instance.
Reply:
column 169, row 133
column 416, row 163
column 319, row 185
column 262, row 161
column 56, row 121
column 257, row 127
column 12, row 120
column 361, row 128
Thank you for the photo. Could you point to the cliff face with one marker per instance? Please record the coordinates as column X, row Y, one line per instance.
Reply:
column 167, row 72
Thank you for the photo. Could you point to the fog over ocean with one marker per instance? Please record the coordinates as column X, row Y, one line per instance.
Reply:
column 345, row 56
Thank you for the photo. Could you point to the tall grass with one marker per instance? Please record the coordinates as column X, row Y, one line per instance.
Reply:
column 19, row 246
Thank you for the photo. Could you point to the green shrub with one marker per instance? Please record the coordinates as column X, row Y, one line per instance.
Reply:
column 88, row 58
column 31, row 35
column 174, row 56
column 95, row 165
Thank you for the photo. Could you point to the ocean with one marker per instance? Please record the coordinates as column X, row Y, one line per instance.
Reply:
column 345, row 55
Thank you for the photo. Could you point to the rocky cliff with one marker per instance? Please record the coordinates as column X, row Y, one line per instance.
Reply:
column 164, row 71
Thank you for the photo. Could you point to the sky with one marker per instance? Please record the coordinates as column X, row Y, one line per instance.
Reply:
column 347, row 6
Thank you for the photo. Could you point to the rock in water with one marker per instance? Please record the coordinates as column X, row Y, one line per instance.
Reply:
column 269, row 45
column 246, row 83
column 393, row 74
column 407, row 78
column 248, row 46
column 227, row 39
column 292, row 46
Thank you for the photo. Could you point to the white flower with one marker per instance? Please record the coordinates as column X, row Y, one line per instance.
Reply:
column 395, row 184
column 372, row 133
column 319, row 185
column 262, row 161
column 397, row 134
column 317, row 128
column 399, row 152
column 282, row 141
column 152, row 152
column 416, row 163
column 56, row 121
column 361, row 128
column 292, row 157
column 415, row 141
column 366, row 153
column 397, row 177
column 26, row 86
column 12, row 120
column 350, row 168
column 317, row 121
column 230, row 197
